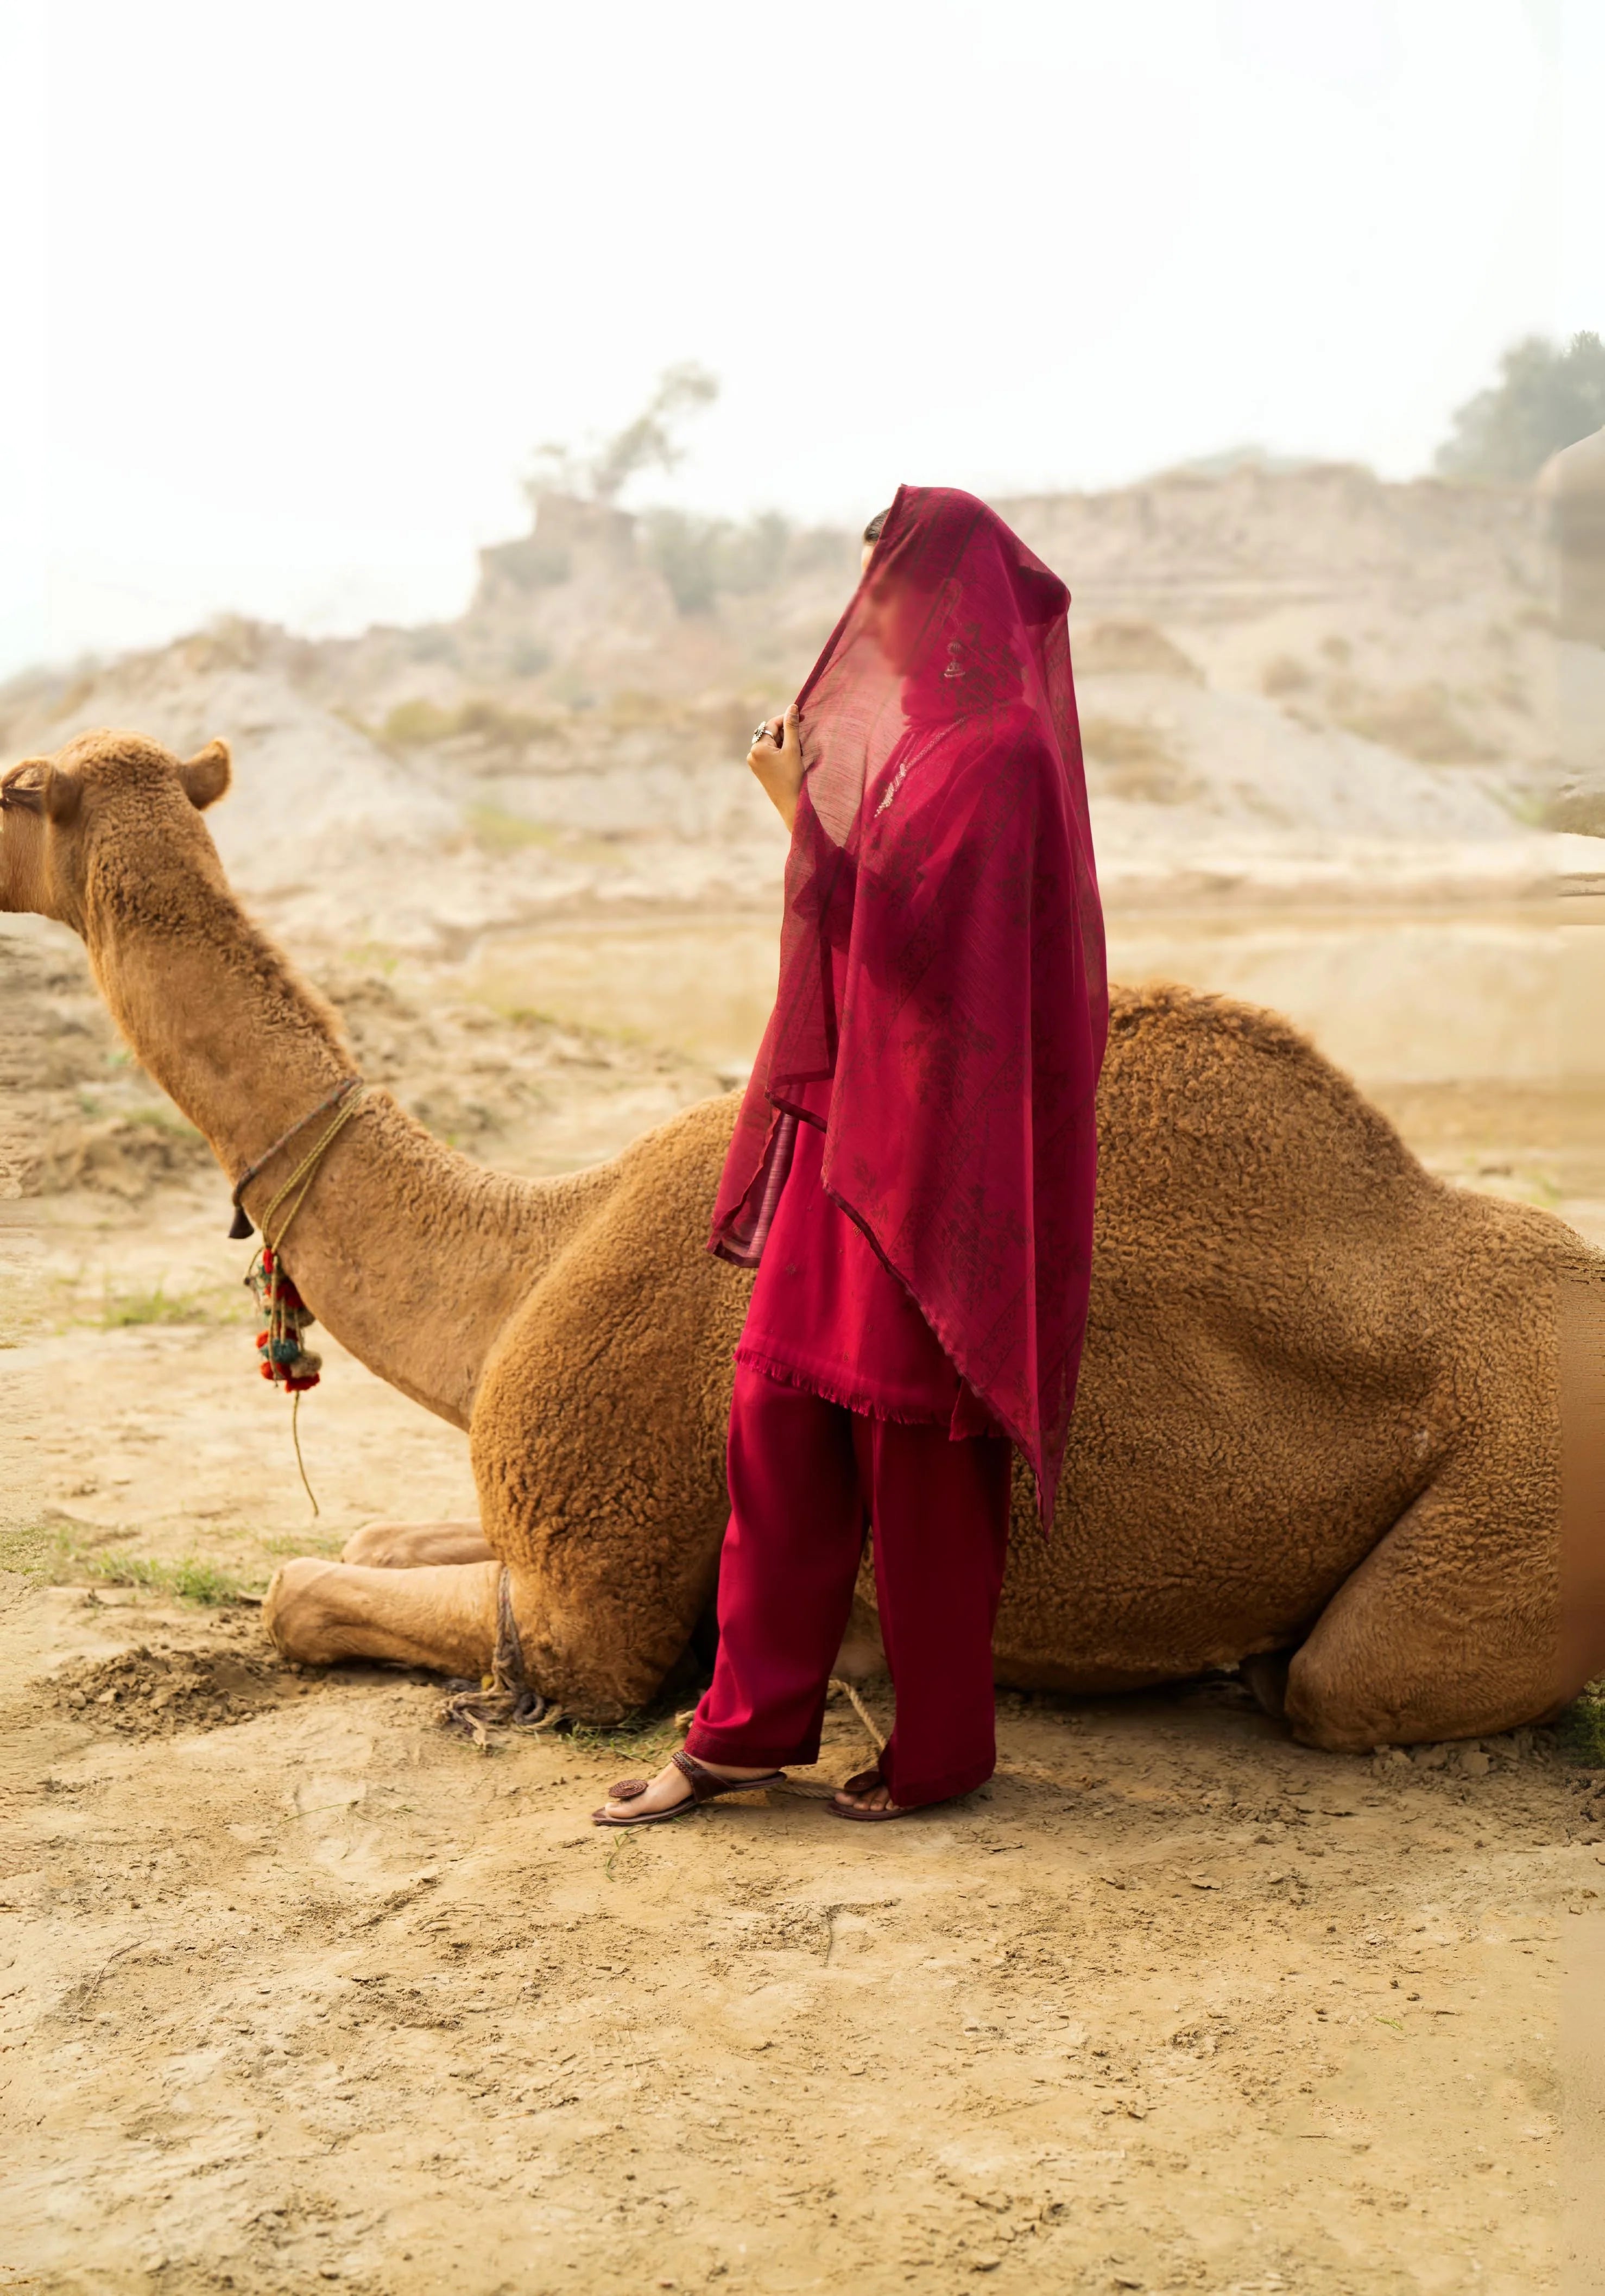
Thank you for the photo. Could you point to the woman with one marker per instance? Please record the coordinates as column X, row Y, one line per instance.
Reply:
column 912, row 1169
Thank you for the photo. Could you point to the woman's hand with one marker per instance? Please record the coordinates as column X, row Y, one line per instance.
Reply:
column 776, row 759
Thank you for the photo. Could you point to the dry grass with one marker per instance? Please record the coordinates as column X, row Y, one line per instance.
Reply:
column 1130, row 648
column 1422, row 723
column 119, row 1155
column 422, row 723
column 495, row 830
column 1131, row 761
column 1286, row 674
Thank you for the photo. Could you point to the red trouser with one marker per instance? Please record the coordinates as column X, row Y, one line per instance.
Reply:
column 804, row 1475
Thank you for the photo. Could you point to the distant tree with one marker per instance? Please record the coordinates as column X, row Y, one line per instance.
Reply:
column 647, row 443
column 701, row 557
column 1546, row 398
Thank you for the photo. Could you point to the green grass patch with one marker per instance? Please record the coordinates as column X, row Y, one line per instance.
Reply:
column 421, row 723
column 1581, row 1729
column 646, row 1737
column 37, row 1550
column 190, row 1578
column 419, row 720
column 369, row 957
column 156, row 1116
column 303, row 1542
column 496, row 830
column 119, row 1310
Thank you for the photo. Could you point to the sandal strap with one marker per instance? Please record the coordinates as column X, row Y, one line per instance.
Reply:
column 705, row 1784
column 865, row 1782
column 628, row 1789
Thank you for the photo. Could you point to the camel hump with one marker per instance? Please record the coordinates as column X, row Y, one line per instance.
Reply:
column 1186, row 1066
column 1165, row 1019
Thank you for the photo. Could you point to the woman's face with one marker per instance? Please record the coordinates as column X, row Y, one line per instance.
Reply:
column 896, row 616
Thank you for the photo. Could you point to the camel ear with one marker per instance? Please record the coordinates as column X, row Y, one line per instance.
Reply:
column 205, row 775
column 63, row 795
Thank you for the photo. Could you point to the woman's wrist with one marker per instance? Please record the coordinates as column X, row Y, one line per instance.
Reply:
column 776, row 760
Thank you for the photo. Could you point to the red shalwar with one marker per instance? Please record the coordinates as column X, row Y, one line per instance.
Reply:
column 847, row 1412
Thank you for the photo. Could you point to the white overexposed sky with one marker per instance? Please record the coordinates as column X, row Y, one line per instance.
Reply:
column 294, row 291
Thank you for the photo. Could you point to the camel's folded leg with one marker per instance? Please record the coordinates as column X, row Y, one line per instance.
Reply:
column 407, row 1545
column 442, row 1615
column 1448, row 1629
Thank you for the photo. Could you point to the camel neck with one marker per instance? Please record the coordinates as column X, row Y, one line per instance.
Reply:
column 216, row 1016
column 412, row 1256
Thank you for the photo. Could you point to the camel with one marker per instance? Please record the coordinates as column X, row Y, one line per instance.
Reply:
column 1318, row 1430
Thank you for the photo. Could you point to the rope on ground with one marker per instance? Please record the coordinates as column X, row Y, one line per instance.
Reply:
column 812, row 1789
column 503, row 1699
column 862, row 1711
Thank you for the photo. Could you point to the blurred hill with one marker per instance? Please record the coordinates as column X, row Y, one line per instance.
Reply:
column 1290, row 680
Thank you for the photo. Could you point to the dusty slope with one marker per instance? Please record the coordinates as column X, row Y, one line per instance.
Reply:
column 1303, row 681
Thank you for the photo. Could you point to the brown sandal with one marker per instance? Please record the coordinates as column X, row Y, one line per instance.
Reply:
column 706, row 1785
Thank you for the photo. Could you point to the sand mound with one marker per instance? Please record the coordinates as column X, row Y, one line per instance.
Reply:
column 149, row 1693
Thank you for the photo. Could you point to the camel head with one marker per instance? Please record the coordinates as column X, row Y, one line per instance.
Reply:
column 112, row 807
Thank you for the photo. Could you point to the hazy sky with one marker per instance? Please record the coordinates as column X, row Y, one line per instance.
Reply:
column 295, row 291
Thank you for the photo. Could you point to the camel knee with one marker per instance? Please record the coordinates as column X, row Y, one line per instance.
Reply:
column 1347, row 1707
column 1345, row 1693
column 373, row 1545
column 1325, row 1714
column 408, row 1545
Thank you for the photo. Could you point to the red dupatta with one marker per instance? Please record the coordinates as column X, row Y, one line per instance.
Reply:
column 942, row 1006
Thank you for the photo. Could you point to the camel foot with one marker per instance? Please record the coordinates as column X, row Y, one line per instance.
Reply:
column 442, row 1616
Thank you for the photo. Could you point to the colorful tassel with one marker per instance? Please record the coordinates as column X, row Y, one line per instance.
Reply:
column 283, row 1359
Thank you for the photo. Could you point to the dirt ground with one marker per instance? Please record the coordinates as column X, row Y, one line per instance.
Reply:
column 298, row 1989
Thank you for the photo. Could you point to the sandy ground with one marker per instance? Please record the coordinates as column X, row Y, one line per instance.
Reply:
column 296, row 1988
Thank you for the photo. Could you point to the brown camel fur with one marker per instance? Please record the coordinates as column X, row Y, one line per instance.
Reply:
column 1319, row 1414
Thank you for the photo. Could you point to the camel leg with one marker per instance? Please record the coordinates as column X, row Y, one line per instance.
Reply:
column 440, row 1615
column 1264, row 1675
column 406, row 1545
column 1450, row 1627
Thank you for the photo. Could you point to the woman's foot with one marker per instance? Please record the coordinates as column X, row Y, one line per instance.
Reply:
column 671, row 1787
column 867, row 1795
column 878, row 1799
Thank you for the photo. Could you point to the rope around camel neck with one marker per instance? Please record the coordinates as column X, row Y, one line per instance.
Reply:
column 304, row 1174
column 306, row 1171
column 331, row 1100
